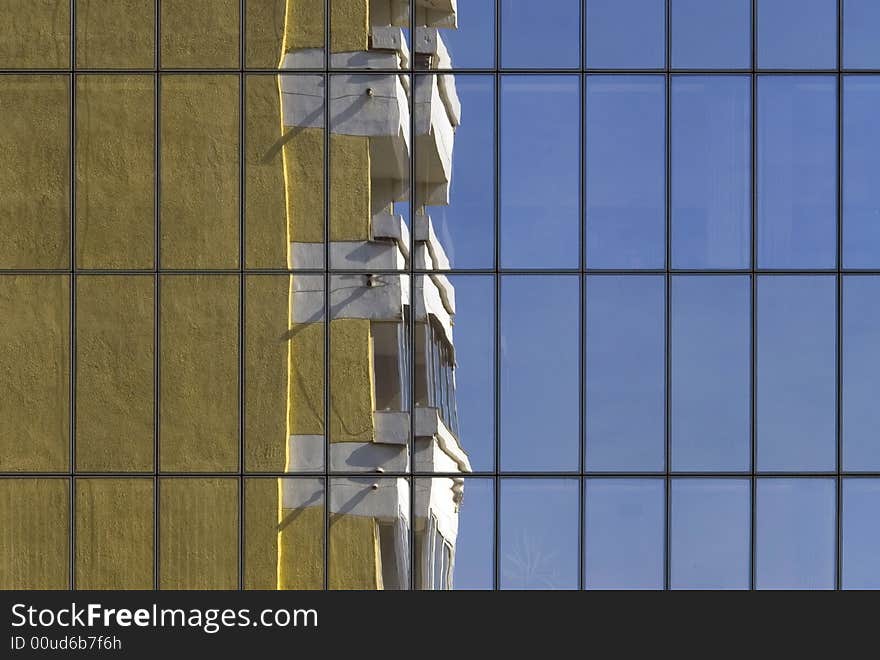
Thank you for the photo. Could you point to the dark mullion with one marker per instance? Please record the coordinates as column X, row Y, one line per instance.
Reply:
column 753, row 306
column 667, row 398
column 582, row 310
column 326, row 275
column 156, row 293
column 838, row 560
column 241, row 292
column 496, row 559
column 410, row 330
column 71, row 529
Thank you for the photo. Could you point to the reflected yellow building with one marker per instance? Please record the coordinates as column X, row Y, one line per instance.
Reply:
column 120, row 364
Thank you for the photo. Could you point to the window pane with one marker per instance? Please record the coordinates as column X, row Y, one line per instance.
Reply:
column 711, row 376
column 861, row 534
column 369, row 167
column 797, row 34
column 540, row 34
column 625, row 372
column 861, row 163
column 710, row 542
column 115, row 318
column 626, row 34
column 289, row 555
column 198, row 373
column 472, row 44
column 797, row 171
column 466, row 224
column 34, row 360
column 861, row 25
column 35, row 178
column 796, row 373
column 539, row 534
column 540, row 153
column 474, row 335
column 465, row 519
column 796, row 534
column 624, row 533
column 369, row 513
column 625, row 163
column 184, row 26
column 861, row 373
column 711, row 35
column 539, row 372
column 711, row 171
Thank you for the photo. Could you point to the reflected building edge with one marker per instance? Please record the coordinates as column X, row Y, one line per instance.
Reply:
column 379, row 227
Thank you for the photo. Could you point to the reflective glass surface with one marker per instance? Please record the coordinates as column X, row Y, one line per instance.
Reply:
column 711, row 35
column 861, row 162
column 711, row 379
column 709, row 541
column 797, row 34
column 551, row 29
column 625, row 373
column 538, row 551
column 624, row 533
column 625, row 172
column 796, row 373
column 797, row 171
column 795, row 527
column 540, row 215
column 625, row 34
column 711, row 193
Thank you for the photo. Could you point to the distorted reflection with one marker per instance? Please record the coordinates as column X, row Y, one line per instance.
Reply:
column 387, row 333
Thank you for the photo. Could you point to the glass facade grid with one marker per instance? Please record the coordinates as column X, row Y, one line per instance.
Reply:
column 675, row 482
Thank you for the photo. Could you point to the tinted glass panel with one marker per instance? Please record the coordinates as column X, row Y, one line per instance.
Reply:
column 625, row 178
column 539, row 372
column 861, row 25
column 472, row 44
column 710, row 534
column 711, row 377
column 624, row 533
column 861, row 373
column 539, row 538
column 711, row 35
column 474, row 336
column 625, row 372
column 797, row 34
column 797, row 171
column 861, row 163
column 796, row 534
column 861, row 534
column 467, row 532
column 540, row 153
column 540, row 34
column 796, row 373
column 466, row 225
column 626, row 34
column 711, row 171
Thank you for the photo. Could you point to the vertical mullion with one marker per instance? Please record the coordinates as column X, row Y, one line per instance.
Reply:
column 72, row 309
column 327, row 485
column 582, row 286
column 667, row 560
column 157, row 191
column 496, row 145
column 410, row 330
column 753, row 304
column 838, row 577
column 241, row 289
